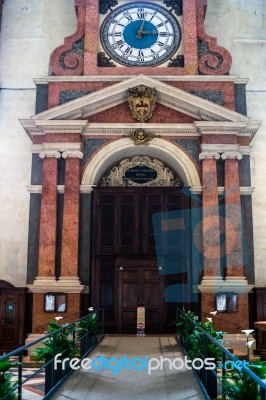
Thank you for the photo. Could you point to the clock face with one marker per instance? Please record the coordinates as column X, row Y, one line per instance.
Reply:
column 140, row 34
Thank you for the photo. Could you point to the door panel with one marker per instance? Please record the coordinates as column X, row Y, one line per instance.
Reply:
column 126, row 271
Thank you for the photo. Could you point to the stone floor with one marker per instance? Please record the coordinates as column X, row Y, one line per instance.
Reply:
column 161, row 384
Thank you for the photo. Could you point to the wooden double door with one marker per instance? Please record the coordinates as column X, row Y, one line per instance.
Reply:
column 125, row 268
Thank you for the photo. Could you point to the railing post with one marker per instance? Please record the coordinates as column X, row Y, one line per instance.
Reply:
column 20, row 376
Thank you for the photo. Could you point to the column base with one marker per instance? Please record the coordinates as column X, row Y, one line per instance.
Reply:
column 68, row 284
column 236, row 284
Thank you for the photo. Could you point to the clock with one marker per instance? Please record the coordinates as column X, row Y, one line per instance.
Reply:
column 140, row 34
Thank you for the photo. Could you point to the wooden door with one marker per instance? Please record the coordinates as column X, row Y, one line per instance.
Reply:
column 125, row 270
column 9, row 319
column 140, row 283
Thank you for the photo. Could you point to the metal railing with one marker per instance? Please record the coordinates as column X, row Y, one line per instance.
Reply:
column 55, row 377
column 214, row 382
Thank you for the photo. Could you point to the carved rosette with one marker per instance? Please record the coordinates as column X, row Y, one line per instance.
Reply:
column 159, row 173
column 68, row 59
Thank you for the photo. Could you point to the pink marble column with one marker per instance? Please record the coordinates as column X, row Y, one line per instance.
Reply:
column 233, row 221
column 70, row 231
column 47, row 239
column 210, row 216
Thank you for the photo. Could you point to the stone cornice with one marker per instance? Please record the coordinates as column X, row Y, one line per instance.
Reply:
column 173, row 78
column 85, row 128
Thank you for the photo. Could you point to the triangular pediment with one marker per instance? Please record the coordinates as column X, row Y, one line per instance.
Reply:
column 168, row 95
column 208, row 116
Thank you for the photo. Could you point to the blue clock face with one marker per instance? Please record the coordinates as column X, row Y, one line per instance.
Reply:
column 140, row 34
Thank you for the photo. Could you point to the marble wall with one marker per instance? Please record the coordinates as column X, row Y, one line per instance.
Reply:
column 31, row 29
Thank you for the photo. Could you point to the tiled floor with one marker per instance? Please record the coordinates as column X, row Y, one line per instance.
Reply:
column 33, row 389
column 162, row 384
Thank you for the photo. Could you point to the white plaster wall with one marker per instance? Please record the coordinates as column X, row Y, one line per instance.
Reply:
column 31, row 29
column 240, row 26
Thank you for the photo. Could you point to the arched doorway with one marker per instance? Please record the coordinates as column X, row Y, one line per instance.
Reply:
column 124, row 270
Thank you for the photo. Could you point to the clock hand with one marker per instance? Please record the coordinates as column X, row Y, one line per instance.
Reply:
column 139, row 32
column 148, row 32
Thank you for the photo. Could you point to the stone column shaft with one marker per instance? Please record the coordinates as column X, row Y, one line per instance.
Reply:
column 70, row 232
column 47, row 240
column 233, row 221
column 210, row 216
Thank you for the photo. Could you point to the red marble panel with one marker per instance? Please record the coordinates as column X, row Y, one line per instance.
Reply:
column 62, row 137
column 233, row 221
column 121, row 113
column 47, row 241
column 38, row 139
column 243, row 140
column 219, row 139
column 190, row 37
column 210, row 219
column 41, row 318
column 226, row 322
column 69, row 255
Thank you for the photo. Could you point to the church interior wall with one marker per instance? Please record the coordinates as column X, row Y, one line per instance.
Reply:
column 31, row 30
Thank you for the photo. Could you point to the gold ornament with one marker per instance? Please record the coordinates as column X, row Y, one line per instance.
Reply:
column 140, row 137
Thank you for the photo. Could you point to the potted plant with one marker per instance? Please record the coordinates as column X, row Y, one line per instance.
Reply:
column 6, row 385
column 63, row 344
column 87, row 331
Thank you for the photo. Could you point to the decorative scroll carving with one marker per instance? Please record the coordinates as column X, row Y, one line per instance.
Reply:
column 68, row 59
column 140, row 137
column 105, row 5
column 212, row 59
column 142, row 102
column 178, row 61
column 176, row 5
column 140, row 171
column 104, row 61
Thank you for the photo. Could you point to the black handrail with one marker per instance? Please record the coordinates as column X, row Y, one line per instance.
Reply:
column 208, row 379
column 53, row 379
column 78, row 313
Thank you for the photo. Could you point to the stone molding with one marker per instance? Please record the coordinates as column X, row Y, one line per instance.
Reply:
column 231, row 155
column 63, row 284
column 120, row 129
column 172, row 78
column 50, row 154
column 209, row 155
column 72, row 154
column 214, row 285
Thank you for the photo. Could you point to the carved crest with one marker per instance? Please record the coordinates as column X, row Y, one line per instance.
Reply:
column 140, row 137
column 142, row 101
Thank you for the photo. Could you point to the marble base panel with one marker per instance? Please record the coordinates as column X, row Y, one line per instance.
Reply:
column 230, row 322
column 41, row 318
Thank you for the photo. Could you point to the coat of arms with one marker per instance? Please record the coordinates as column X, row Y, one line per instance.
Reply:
column 141, row 101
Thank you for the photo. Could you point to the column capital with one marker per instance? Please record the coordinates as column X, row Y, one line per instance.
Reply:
column 209, row 155
column 232, row 155
column 72, row 154
column 50, row 154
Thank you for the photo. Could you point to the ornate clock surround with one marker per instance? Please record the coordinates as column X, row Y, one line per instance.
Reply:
column 79, row 55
